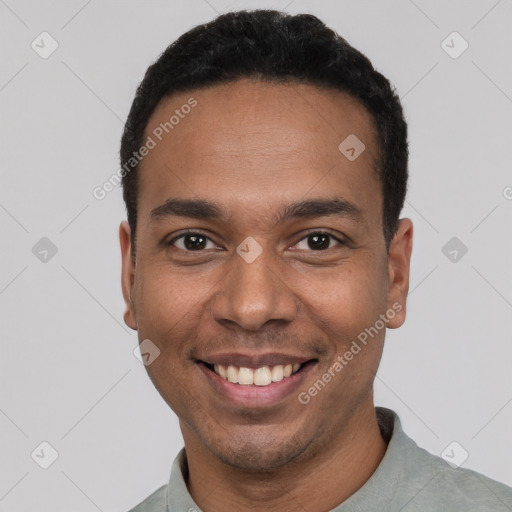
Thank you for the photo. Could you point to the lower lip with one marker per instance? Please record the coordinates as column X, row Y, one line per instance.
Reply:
column 257, row 396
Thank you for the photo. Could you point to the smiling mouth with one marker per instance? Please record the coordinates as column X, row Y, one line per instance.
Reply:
column 262, row 376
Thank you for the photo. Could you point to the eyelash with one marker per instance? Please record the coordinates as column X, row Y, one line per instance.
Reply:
column 196, row 232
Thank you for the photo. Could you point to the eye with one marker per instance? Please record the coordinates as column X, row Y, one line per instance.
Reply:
column 191, row 241
column 318, row 241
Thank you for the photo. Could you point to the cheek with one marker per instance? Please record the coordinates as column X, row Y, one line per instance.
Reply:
column 165, row 301
column 168, row 313
column 347, row 305
column 346, row 300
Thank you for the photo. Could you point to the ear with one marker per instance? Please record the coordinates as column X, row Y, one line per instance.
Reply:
column 399, row 260
column 127, row 273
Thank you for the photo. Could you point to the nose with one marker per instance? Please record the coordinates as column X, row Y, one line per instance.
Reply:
column 253, row 294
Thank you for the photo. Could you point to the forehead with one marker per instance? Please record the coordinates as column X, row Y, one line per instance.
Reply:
column 248, row 142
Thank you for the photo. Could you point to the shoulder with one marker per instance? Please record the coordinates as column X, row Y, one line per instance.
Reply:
column 422, row 481
column 155, row 502
column 454, row 488
column 465, row 489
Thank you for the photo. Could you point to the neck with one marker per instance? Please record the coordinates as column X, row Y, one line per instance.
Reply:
column 326, row 479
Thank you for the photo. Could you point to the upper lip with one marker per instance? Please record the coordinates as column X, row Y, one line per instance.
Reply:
column 247, row 360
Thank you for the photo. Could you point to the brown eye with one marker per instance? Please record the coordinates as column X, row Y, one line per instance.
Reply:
column 191, row 242
column 319, row 241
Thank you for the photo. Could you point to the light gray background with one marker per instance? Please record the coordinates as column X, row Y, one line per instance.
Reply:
column 68, row 375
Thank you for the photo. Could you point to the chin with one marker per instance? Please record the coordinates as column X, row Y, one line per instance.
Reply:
column 261, row 451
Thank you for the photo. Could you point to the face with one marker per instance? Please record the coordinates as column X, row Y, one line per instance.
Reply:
column 259, row 246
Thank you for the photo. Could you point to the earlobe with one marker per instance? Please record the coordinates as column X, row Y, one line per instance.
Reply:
column 399, row 260
column 127, row 274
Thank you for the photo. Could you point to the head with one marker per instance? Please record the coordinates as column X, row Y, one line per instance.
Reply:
column 263, row 229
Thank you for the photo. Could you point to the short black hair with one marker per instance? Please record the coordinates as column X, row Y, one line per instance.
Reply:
column 273, row 46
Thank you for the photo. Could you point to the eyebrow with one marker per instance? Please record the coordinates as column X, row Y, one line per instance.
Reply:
column 210, row 210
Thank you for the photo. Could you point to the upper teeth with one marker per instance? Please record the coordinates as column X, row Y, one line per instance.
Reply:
column 260, row 377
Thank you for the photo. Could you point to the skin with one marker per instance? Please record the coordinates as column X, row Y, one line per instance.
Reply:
column 253, row 147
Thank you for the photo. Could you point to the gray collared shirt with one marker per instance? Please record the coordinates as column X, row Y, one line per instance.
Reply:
column 408, row 479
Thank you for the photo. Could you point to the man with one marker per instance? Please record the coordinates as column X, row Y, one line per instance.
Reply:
column 264, row 172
